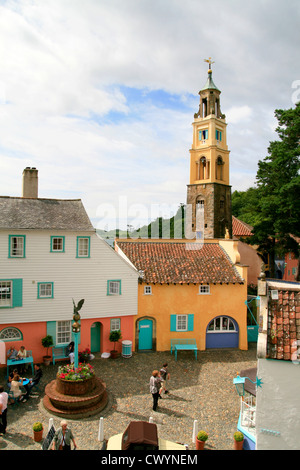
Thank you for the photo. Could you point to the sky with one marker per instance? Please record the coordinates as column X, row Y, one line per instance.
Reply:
column 100, row 95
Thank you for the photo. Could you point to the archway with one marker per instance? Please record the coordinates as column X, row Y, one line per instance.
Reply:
column 222, row 332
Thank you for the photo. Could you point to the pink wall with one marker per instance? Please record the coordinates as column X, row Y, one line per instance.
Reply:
column 32, row 336
column 34, row 332
column 127, row 329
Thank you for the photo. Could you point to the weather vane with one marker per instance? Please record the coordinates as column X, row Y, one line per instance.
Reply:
column 209, row 61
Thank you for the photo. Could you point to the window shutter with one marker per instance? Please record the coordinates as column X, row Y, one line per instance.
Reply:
column 51, row 330
column 17, row 292
column 191, row 322
column 173, row 323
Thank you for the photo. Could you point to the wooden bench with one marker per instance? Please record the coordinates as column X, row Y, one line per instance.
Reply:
column 59, row 352
column 183, row 344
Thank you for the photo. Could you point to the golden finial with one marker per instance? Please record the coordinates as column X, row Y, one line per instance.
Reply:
column 209, row 61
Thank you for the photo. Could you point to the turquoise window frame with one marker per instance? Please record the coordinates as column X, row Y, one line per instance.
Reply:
column 39, row 284
column 120, row 286
column 89, row 247
column 10, row 340
column 190, row 322
column 218, row 135
column 114, row 319
column 203, row 134
column 16, row 293
column 52, row 327
column 51, row 244
column 10, row 237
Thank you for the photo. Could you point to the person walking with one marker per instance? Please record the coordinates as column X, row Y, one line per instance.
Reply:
column 63, row 437
column 165, row 375
column 155, row 384
column 3, row 410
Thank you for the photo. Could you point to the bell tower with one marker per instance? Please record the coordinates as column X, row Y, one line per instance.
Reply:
column 209, row 192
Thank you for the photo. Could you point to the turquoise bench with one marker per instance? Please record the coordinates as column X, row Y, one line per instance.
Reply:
column 183, row 345
column 59, row 352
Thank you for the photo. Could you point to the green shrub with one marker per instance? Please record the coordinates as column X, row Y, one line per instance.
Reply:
column 37, row 426
column 202, row 436
column 238, row 436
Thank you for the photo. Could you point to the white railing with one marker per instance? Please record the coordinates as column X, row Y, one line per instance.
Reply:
column 248, row 414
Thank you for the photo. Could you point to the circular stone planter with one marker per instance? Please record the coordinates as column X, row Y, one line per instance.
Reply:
column 75, row 387
column 75, row 399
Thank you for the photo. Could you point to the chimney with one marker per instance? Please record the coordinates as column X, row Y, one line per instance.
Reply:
column 30, row 183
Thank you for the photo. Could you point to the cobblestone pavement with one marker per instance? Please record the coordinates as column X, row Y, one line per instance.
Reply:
column 200, row 390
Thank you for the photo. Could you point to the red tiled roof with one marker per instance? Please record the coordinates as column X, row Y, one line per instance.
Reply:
column 167, row 262
column 283, row 321
column 240, row 228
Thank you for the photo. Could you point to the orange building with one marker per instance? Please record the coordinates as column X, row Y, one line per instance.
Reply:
column 188, row 290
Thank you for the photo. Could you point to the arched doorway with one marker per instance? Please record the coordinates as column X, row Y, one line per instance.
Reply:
column 222, row 332
column 96, row 337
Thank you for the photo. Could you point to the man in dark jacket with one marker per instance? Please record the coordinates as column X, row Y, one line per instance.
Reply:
column 32, row 382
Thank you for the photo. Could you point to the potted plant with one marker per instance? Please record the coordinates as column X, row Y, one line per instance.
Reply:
column 84, row 356
column 47, row 342
column 114, row 337
column 37, row 431
column 238, row 440
column 201, row 438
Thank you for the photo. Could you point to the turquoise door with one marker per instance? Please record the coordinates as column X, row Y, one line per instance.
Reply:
column 145, row 334
column 95, row 337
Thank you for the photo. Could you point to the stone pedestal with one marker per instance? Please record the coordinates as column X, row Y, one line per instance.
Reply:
column 75, row 399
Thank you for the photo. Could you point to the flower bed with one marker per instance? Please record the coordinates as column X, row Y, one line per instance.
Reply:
column 80, row 381
column 68, row 372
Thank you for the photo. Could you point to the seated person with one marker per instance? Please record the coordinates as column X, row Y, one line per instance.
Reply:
column 11, row 376
column 32, row 382
column 12, row 353
column 15, row 387
column 71, row 351
column 22, row 352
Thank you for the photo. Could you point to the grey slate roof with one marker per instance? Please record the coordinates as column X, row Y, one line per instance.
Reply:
column 54, row 214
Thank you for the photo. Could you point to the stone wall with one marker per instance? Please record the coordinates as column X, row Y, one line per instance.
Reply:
column 216, row 218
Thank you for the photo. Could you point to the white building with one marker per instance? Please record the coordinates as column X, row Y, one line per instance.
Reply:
column 50, row 254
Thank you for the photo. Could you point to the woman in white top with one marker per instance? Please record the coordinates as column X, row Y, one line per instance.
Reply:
column 15, row 386
column 22, row 353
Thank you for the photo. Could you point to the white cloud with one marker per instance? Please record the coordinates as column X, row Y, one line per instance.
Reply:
column 238, row 114
column 76, row 82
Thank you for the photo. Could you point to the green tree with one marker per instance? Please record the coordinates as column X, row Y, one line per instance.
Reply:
column 278, row 185
column 244, row 203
